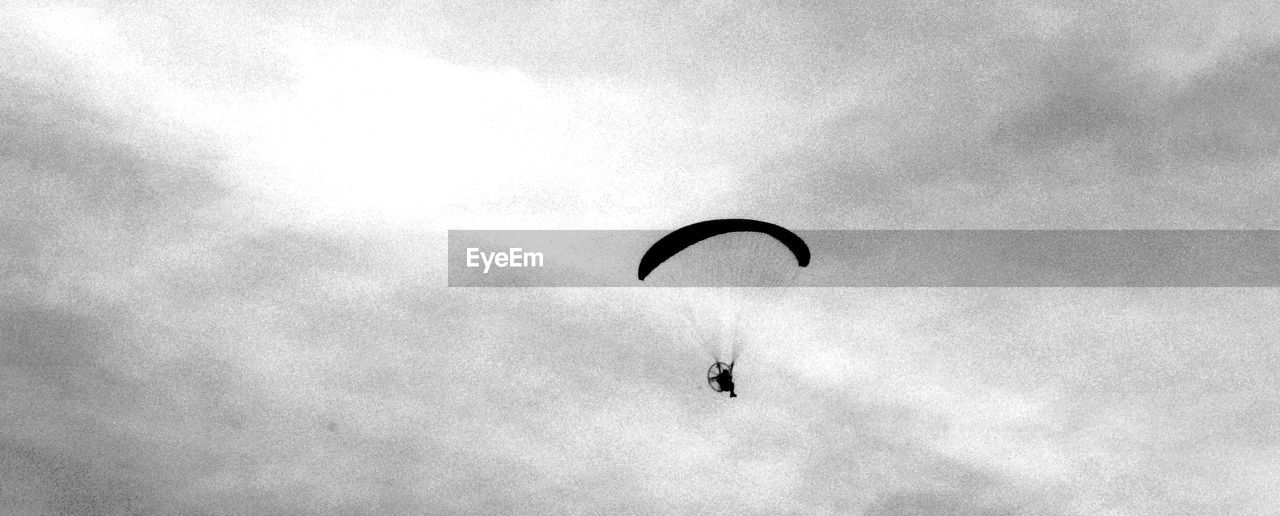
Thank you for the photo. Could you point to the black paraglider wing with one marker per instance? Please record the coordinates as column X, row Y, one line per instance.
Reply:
column 678, row 240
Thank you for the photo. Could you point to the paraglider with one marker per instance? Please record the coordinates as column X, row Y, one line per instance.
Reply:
column 684, row 237
column 720, row 375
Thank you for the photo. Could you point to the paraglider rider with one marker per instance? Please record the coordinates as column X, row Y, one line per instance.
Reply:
column 725, row 379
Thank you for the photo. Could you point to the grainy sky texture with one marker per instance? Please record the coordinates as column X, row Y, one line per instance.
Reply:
column 222, row 234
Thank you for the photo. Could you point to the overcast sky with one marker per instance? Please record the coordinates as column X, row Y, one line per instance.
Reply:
column 222, row 242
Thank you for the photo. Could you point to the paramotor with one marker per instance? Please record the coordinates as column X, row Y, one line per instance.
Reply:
column 720, row 375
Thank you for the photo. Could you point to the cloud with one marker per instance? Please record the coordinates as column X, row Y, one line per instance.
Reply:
column 176, row 336
column 1077, row 118
column 1220, row 116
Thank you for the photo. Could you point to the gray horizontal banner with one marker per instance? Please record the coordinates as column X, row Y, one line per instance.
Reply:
column 874, row 258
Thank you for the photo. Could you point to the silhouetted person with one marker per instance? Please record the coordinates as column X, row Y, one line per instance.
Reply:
column 725, row 380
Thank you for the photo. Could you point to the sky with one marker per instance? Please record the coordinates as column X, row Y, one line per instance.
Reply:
column 223, row 228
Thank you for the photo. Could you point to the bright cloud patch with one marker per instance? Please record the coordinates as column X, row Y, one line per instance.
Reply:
column 377, row 130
